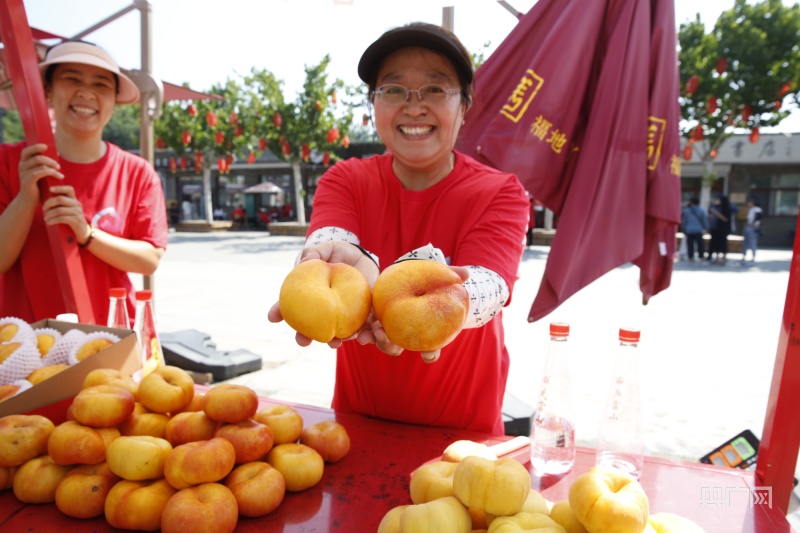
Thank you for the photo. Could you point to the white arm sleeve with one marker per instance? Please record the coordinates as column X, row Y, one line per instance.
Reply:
column 332, row 233
column 488, row 293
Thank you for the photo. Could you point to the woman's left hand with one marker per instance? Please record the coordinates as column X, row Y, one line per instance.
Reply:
column 64, row 208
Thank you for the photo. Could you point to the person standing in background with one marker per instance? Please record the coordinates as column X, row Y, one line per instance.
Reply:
column 752, row 230
column 719, row 215
column 694, row 223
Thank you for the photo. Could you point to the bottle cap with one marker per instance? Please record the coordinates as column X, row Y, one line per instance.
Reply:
column 117, row 292
column 559, row 329
column 68, row 317
column 628, row 335
column 144, row 295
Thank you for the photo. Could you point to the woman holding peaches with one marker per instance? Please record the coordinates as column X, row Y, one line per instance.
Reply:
column 112, row 200
column 419, row 200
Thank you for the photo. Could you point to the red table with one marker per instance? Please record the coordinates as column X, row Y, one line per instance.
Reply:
column 356, row 492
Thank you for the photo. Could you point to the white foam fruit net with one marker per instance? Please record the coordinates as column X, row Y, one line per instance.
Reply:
column 24, row 360
column 72, row 359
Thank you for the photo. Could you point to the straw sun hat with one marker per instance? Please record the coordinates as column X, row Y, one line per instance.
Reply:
column 89, row 54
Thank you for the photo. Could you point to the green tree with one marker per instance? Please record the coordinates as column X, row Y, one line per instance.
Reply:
column 12, row 127
column 254, row 116
column 742, row 74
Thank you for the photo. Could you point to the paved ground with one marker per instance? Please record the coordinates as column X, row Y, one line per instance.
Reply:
column 707, row 350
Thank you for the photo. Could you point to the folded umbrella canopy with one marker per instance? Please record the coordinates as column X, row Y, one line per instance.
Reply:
column 566, row 103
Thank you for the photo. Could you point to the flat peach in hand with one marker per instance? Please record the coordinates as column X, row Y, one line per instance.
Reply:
column 23, row 437
column 199, row 462
column 284, row 421
column 329, row 438
column 230, row 403
column 82, row 492
column 138, row 505
column 421, row 304
column 167, row 389
column 103, row 406
column 258, row 488
column 206, row 508
column 324, row 300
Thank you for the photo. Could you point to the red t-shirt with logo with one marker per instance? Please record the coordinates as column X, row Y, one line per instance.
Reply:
column 121, row 194
column 475, row 216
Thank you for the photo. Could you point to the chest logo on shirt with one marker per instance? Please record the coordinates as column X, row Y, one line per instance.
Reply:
column 108, row 220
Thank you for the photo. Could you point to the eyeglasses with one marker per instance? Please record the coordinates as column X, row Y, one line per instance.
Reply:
column 393, row 94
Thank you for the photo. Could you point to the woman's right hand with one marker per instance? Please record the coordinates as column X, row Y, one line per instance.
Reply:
column 33, row 166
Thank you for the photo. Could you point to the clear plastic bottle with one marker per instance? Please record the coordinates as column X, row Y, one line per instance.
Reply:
column 145, row 328
column 118, row 308
column 552, row 429
column 620, row 443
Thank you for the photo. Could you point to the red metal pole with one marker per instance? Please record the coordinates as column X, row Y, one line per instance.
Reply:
column 23, row 67
column 780, row 439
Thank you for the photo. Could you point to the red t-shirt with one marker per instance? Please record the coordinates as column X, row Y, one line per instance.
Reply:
column 476, row 216
column 121, row 194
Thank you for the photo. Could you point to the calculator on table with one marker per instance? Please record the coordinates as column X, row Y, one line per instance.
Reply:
column 739, row 452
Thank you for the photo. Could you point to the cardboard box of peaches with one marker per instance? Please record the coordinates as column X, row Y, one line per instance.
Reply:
column 123, row 356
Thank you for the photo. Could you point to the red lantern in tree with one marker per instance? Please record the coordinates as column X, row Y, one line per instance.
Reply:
column 747, row 112
column 319, row 105
column 198, row 158
column 234, row 119
column 785, row 88
column 173, row 165
column 333, row 97
column 186, row 138
column 687, row 152
column 691, row 85
column 345, row 141
column 262, row 144
column 333, row 135
column 251, row 158
column 221, row 165
column 277, row 119
column 365, row 120
column 306, row 152
column 184, row 162
column 722, row 65
column 219, row 137
column 755, row 135
column 237, row 132
column 712, row 104
column 326, row 158
column 160, row 143
column 713, row 154
column 211, row 118
column 228, row 160
column 198, row 167
column 192, row 110
column 698, row 134
column 286, row 149
column 778, row 104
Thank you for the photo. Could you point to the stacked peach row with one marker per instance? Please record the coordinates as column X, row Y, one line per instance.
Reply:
column 495, row 496
column 159, row 456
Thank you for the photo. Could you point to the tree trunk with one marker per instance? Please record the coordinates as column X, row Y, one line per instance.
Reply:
column 207, row 190
column 299, row 196
column 706, row 182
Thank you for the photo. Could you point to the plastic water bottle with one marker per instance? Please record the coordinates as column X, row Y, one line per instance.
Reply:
column 552, row 429
column 118, row 308
column 620, row 443
column 145, row 328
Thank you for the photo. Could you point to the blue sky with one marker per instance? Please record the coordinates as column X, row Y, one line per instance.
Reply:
column 203, row 42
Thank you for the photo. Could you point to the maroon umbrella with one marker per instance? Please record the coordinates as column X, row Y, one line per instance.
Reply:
column 565, row 104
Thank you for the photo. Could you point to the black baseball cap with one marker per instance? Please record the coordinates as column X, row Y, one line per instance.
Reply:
column 418, row 34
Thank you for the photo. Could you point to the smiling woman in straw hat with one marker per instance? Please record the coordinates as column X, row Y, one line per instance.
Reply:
column 111, row 200
column 422, row 199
